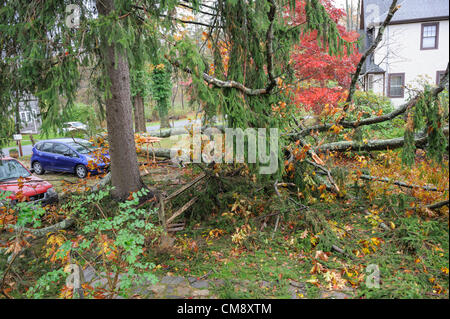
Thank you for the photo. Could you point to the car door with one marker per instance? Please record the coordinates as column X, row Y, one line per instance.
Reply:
column 45, row 153
column 64, row 158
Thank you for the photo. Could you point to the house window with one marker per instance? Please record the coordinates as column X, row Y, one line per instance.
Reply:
column 396, row 83
column 439, row 76
column 370, row 82
column 430, row 36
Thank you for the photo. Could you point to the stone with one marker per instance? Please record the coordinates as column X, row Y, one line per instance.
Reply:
column 158, row 289
column 169, row 280
column 170, row 289
column 200, row 284
column 183, row 291
column 88, row 273
column 335, row 295
column 201, row 293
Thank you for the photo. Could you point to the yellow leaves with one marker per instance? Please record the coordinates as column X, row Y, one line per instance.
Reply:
column 336, row 129
column 56, row 239
column 66, row 292
column 334, row 280
column 376, row 241
column 314, row 240
column 444, row 270
column 241, row 234
column 370, row 246
column 107, row 248
column 290, row 168
column 215, row 233
column 212, row 69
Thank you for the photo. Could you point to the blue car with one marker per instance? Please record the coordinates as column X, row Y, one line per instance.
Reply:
column 68, row 155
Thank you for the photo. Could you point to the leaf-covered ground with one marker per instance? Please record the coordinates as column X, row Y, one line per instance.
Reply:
column 325, row 248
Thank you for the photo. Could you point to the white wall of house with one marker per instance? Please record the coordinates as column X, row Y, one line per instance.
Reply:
column 400, row 52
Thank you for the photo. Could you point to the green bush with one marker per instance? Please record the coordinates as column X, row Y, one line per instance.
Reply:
column 371, row 104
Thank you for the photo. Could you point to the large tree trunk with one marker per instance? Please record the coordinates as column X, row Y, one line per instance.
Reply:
column 139, row 114
column 125, row 177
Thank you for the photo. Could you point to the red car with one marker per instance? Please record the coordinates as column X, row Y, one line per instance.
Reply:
column 33, row 188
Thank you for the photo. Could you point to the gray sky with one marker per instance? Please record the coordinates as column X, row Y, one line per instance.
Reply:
column 341, row 3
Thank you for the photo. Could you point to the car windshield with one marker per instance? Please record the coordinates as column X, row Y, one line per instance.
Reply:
column 12, row 169
column 77, row 124
column 82, row 147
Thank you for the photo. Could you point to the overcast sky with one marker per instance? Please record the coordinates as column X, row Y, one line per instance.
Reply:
column 341, row 3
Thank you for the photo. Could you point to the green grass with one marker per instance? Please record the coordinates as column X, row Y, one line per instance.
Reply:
column 37, row 137
column 411, row 257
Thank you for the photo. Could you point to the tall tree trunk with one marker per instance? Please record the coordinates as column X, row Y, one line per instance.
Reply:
column 182, row 98
column 17, row 114
column 125, row 176
column 139, row 114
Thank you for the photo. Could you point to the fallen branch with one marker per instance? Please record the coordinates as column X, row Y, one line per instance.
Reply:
column 102, row 183
column 185, row 187
column 41, row 232
column 278, row 215
column 374, row 145
column 398, row 183
column 438, row 204
column 182, row 210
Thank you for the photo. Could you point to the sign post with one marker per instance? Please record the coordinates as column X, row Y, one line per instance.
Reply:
column 18, row 139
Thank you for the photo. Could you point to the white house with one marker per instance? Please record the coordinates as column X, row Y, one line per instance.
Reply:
column 30, row 120
column 415, row 46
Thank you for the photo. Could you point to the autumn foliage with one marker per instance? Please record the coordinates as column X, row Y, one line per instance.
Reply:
column 323, row 78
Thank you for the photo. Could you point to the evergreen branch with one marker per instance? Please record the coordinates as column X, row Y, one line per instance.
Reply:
column 199, row 11
column 241, row 87
column 220, row 83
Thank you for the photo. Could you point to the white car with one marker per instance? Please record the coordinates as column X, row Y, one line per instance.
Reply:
column 73, row 126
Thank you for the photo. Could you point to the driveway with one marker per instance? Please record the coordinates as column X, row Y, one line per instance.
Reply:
column 26, row 149
column 179, row 123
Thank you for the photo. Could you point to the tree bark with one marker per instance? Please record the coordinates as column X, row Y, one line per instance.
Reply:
column 374, row 145
column 139, row 114
column 125, row 177
column 164, row 119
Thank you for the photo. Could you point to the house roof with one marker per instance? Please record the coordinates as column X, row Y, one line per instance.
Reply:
column 371, row 67
column 374, row 11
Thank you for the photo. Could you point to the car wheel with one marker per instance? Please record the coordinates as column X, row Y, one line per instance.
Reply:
column 81, row 171
column 37, row 167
